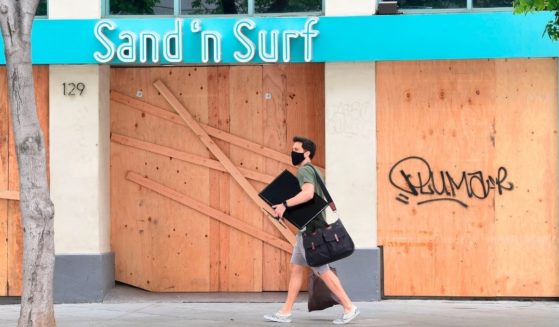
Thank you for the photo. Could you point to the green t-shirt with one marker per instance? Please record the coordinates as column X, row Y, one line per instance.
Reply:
column 306, row 174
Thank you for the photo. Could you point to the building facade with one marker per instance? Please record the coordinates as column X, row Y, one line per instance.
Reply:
column 436, row 129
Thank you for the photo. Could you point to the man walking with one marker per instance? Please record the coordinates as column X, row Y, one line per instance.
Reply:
column 301, row 156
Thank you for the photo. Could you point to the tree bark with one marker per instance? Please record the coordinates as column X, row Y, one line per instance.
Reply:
column 37, row 209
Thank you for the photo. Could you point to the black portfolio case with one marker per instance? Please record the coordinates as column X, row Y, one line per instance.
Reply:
column 286, row 186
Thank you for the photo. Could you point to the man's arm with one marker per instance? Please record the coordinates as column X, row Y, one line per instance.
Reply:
column 306, row 194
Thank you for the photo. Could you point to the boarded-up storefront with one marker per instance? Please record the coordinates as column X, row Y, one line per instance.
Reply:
column 467, row 177
column 180, row 222
column 11, row 238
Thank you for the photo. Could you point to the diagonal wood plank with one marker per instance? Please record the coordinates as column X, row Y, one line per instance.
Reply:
column 212, row 131
column 9, row 195
column 170, row 152
column 209, row 211
column 216, row 151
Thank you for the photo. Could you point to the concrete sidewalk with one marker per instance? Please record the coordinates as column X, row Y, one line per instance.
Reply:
column 129, row 306
column 384, row 313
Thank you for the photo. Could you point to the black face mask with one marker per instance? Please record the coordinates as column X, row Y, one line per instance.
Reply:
column 297, row 158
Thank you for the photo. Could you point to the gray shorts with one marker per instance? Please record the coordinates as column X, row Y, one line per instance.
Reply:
column 298, row 256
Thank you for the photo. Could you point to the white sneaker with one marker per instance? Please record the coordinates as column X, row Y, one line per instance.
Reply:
column 279, row 317
column 347, row 317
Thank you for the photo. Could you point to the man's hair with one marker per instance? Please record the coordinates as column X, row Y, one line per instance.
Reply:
column 308, row 144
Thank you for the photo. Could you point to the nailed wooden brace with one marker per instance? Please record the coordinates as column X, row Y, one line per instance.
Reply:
column 214, row 132
column 209, row 211
column 222, row 157
column 9, row 195
column 187, row 157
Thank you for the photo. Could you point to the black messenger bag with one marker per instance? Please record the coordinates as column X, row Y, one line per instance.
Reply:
column 330, row 243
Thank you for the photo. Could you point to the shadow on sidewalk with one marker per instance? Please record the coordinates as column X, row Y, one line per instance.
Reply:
column 123, row 293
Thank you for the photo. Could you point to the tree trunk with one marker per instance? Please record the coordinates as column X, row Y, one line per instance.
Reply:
column 37, row 210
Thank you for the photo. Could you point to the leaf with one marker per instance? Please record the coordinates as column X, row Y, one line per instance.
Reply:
column 539, row 4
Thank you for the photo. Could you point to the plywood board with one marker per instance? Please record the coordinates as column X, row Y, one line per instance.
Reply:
column 4, row 183
column 15, row 235
column 228, row 103
column 228, row 220
column 180, row 155
column 216, row 133
column 9, row 195
column 245, row 271
column 458, row 119
column 274, row 119
column 526, row 224
column 170, row 236
column 218, row 117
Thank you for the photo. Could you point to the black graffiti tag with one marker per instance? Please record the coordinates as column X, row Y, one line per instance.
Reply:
column 413, row 175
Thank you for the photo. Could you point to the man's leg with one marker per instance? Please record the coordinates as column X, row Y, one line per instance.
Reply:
column 295, row 283
column 297, row 269
column 334, row 284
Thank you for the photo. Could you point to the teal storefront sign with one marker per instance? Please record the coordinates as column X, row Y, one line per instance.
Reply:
column 154, row 41
column 209, row 41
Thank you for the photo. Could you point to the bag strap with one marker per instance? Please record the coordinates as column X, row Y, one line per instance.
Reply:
column 324, row 189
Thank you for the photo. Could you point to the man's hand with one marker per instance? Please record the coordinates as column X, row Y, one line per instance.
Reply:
column 279, row 209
